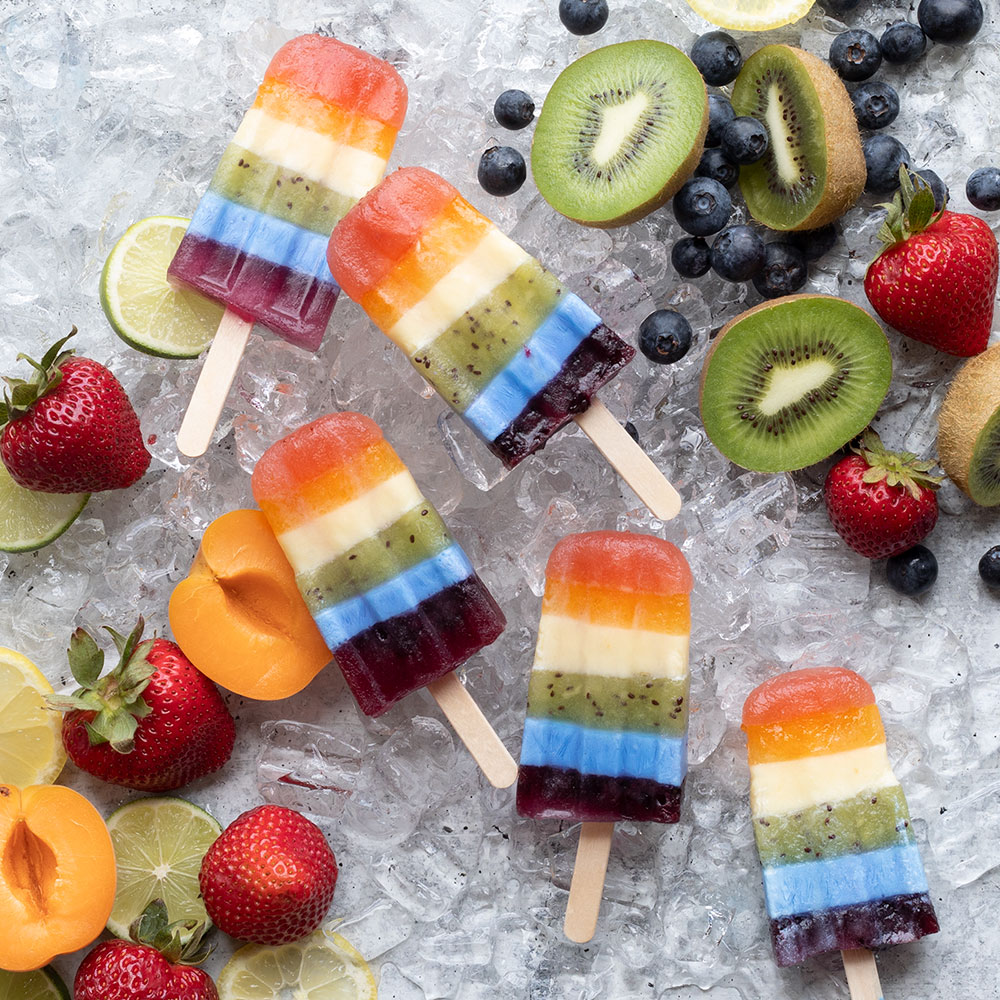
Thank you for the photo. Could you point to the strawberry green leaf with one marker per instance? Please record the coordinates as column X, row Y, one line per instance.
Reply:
column 86, row 659
column 921, row 210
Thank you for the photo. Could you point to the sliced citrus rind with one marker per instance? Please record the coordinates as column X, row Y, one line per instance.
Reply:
column 29, row 519
column 42, row 984
column 751, row 15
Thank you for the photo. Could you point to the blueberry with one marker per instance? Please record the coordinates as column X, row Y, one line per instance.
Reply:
column 884, row 155
column 514, row 109
column 691, row 257
column 839, row 6
column 913, row 571
column 664, row 336
column 876, row 104
column 989, row 567
column 983, row 189
column 855, row 54
column 702, row 206
column 738, row 254
column 583, row 17
column 814, row 243
column 784, row 271
column 501, row 170
column 720, row 113
column 632, row 432
column 950, row 21
column 938, row 188
column 744, row 140
column 717, row 57
column 714, row 164
column 903, row 42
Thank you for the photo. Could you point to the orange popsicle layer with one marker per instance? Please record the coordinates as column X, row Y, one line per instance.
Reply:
column 448, row 239
column 831, row 732
column 801, row 693
column 343, row 75
column 382, row 228
column 599, row 605
column 350, row 127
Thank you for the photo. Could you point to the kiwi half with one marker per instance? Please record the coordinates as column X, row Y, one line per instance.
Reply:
column 792, row 380
column 620, row 131
column 814, row 169
column 969, row 429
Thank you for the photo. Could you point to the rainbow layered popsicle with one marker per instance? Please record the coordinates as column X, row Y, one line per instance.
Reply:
column 841, row 867
column 317, row 138
column 606, row 734
column 502, row 341
column 394, row 596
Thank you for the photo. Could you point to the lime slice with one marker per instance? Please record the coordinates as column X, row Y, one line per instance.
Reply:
column 30, row 519
column 146, row 311
column 322, row 966
column 31, row 748
column 159, row 845
column 751, row 15
column 43, row 984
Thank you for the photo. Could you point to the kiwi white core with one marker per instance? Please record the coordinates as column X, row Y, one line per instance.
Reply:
column 781, row 143
column 618, row 122
column 789, row 385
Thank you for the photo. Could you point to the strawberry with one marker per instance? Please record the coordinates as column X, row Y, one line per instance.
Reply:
column 936, row 278
column 157, row 964
column 881, row 502
column 270, row 876
column 70, row 428
column 154, row 723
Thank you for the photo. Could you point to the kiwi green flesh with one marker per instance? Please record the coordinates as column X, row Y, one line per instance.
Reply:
column 619, row 131
column 984, row 469
column 783, row 188
column 867, row 822
column 788, row 384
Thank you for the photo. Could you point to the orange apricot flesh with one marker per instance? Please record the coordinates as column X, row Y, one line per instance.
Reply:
column 239, row 616
column 57, row 874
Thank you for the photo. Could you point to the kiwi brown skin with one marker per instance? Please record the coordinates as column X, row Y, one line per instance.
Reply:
column 846, row 173
column 973, row 398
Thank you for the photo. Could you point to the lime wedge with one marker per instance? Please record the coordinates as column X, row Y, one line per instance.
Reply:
column 31, row 747
column 322, row 966
column 29, row 519
column 159, row 846
column 44, row 984
column 751, row 15
column 146, row 311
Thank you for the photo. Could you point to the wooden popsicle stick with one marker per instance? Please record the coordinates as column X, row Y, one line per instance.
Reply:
column 587, row 885
column 629, row 460
column 212, row 387
column 862, row 974
column 473, row 729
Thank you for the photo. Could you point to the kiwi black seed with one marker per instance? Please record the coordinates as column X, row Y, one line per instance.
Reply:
column 792, row 380
column 814, row 169
column 620, row 131
column 969, row 429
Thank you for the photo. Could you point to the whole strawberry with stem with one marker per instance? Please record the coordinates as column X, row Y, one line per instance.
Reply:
column 936, row 277
column 154, row 723
column 70, row 428
column 157, row 964
column 269, row 877
column 881, row 502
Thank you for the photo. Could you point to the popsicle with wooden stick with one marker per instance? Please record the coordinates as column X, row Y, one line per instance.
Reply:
column 501, row 339
column 605, row 738
column 841, row 865
column 317, row 137
column 394, row 596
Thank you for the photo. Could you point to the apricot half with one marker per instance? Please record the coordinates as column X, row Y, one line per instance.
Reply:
column 239, row 617
column 57, row 874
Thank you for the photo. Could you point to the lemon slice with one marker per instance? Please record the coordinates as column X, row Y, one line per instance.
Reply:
column 31, row 749
column 30, row 519
column 44, row 984
column 143, row 308
column 159, row 846
column 322, row 966
column 751, row 15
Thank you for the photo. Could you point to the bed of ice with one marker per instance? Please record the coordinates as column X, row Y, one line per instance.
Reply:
column 112, row 110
